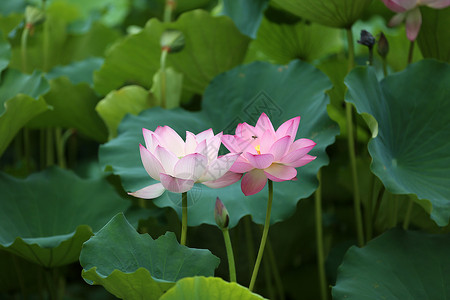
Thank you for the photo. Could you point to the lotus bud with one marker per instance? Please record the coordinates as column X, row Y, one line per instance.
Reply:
column 366, row 39
column 221, row 214
column 172, row 41
column 383, row 46
column 33, row 16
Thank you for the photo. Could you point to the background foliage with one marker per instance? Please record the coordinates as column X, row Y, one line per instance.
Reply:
column 78, row 86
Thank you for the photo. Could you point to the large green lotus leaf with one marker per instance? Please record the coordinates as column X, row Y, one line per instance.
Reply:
column 65, row 48
column 434, row 36
column 411, row 154
column 129, row 99
column 239, row 95
column 46, row 217
column 77, row 72
column 205, row 288
column 73, row 107
column 397, row 265
column 5, row 52
column 134, row 266
column 213, row 45
column 173, row 87
column 9, row 22
column 14, row 82
column 305, row 41
column 334, row 13
column 247, row 15
column 113, row 12
column 20, row 102
column 20, row 272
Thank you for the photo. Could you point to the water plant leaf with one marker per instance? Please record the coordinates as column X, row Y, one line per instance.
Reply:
column 247, row 15
column 397, row 265
column 134, row 266
column 73, row 107
column 130, row 99
column 205, row 288
column 49, row 215
column 239, row 95
column 20, row 102
column 434, row 38
column 208, row 39
column 306, row 41
column 333, row 13
column 410, row 153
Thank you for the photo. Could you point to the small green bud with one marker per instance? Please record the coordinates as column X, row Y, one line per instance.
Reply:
column 221, row 214
column 383, row 46
column 172, row 40
column 34, row 16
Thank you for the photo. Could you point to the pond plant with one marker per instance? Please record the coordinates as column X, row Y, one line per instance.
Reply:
column 148, row 146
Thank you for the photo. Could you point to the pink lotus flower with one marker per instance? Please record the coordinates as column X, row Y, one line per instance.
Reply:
column 409, row 10
column 266, row 153
column 178, row 165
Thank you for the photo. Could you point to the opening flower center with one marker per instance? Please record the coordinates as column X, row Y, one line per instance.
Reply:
column 258, row 149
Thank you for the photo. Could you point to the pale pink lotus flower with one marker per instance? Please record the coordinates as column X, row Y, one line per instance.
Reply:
column 409, row 10
column 266, row 153
column 179, row 164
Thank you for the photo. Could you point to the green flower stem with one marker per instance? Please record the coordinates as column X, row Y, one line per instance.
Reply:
column 264, row 237
column 60, row 147
column 168, row 10
column 230, row 255
column 319, row 238
column 378, row 205
column 394, row 201
column 20, row 276
column 27, row 148
column 50, row 282
column 351, row 148
column 370, row 56
column 42, row 148
column 162, row 78
column 45, row 45
column 23, row 47
column 410, row 52
column 268, row 278
column 49, row 147
column 385, row 73
column 183, row 218
column 249, row 239
column 275, row 271
column 368, row 216
column 408, row 214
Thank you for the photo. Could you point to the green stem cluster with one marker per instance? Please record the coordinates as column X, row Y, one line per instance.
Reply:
column 230, row 255
column 263, row 239
column 319, row 237
column 351, row 148
column 183, row 218
column 162, row 77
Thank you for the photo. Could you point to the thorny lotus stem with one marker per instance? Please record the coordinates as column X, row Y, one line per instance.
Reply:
column 230, row 255
column 162, row 77
column 385, row 73
column 46, row 46
column 183, row 218
column 249, row 241
column 319, row 237
column 23, row 47
column 275, row 271
column 264, row 237
column 408, row 214
column 410, row 52
column 168, row 9
column 351, row 148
